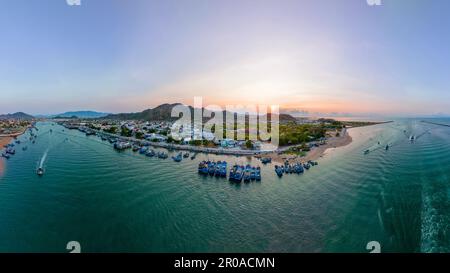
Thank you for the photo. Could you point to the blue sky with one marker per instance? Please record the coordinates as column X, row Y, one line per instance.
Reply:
column 317, row 56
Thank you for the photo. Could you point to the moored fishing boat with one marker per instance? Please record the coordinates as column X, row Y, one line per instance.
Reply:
column 150, row 153
column 278, row 170
column 258, row 174
column 177, row 158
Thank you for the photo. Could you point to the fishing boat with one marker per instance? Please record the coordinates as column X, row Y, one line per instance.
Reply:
column 5, row 155
column 266, row 160
column 233, row 172
column 186, row 155
column 11, row 151
column 212, row 168
column 203, row 167
column 40, row 171
column 193, row 156
column 150, row 153
column 239, row 174
column 306, row 166
column 218, row 168
column 258, row 174
column 253, row 174
column 17, row 141
column 247, row 173
column 143, row 150
column 366, row 152
column 162, row 155
column 177, row 158
column 135, row 148
column 122, row 145
column 278, row 170
column 223, row 169
column 387, row 147
column 24, row 148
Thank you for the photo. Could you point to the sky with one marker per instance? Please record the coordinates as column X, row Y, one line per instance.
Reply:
column 317, row 56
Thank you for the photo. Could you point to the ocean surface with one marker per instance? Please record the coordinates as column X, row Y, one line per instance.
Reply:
column 113, row 201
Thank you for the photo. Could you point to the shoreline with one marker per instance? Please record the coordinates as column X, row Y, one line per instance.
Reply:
column 5, row 140
column 315, row 153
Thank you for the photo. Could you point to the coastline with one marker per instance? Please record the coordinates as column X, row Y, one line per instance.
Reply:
column 5, row 140
column 316, row 152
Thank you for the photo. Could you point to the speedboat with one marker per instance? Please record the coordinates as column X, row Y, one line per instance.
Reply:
column 40, row 171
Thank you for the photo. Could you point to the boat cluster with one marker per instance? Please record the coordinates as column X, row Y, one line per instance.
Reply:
column 9, row 151
column 297, row 168
column 212, row 168
column 247, row 173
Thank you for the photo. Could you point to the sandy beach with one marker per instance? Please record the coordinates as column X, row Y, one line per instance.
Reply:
column 4, row 141
column 315, row 153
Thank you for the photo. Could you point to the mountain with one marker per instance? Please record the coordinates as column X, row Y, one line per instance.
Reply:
column 160, row 113
column 18, row 115
column 81, row 114
column 163, row 113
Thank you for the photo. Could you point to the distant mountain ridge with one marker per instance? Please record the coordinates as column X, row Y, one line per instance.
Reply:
column 18, row 115
column 81, row 114
column 163, row 112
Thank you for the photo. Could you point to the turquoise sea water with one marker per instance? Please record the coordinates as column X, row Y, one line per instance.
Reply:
column 125, row 202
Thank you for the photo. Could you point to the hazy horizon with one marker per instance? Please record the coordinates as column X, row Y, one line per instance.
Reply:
column 324, row 56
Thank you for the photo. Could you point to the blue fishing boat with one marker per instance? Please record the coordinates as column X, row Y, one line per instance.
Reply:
column 278, row 170
column 24, row 148
column 266, row 160
column 177, row 158
column 203, row 167
column 247, row 173
column 239, row 174
column 135, row 148
column 223, row 169
column 253, row 174
column 162, row 155
column 218, row 168
column 212, row 168
column 258, row 174
column 5, row 155
column 150, row 153
column 11, row 151
column 143, row 150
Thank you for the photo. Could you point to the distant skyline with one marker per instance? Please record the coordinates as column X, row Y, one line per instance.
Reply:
column 321, row 56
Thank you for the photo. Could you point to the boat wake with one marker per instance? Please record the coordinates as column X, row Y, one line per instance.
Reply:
column 435, row 219
column 44, row 157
